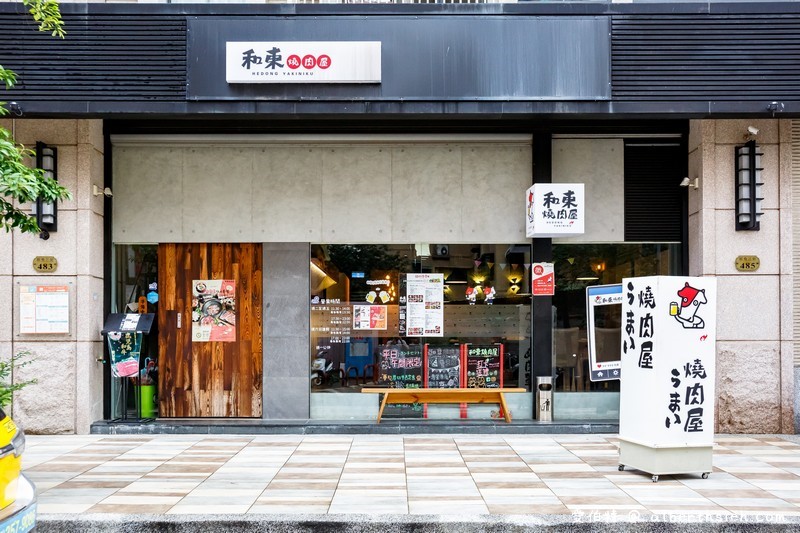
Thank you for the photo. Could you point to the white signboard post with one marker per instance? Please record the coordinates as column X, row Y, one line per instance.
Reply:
column 425, row 305
column 554, row 210
column 668, row 372
column 303, row 62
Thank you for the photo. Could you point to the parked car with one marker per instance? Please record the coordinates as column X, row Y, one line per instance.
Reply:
column 17, row 493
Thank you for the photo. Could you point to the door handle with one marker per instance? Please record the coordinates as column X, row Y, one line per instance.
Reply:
column 180, row 316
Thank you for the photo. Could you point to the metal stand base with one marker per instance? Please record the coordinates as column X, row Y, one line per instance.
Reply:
column 666, row 460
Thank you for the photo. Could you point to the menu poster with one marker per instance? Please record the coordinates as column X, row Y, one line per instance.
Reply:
column 484, row 366
column 443, row 367
column 400, row 367
column 44, row 309
column 124, row 347
column 370, row 317
column 213, row 310
column 425, row 305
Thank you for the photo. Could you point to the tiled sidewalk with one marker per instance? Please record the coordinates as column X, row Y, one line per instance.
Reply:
column 535, row 474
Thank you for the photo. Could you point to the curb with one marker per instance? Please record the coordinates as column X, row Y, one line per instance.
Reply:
column 360, row 523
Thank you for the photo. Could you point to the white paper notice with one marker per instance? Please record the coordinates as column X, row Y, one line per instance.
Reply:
column 425, row 305
column 44, row 309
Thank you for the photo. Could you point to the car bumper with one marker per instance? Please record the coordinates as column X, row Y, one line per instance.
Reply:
column 20, row 516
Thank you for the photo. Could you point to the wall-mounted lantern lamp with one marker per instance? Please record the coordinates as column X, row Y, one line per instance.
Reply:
column 748, row 187
column 46, row 212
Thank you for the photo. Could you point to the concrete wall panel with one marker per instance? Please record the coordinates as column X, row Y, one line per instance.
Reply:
column 493, row 177
column 357, row 194
column 428, row 195
column 217, row 195
column 338, row 193
column 148, row 191
column 600, row 164
column 294, row 175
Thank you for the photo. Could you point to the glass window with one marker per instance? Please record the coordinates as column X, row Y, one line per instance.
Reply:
column 578, row 266
column 136, row 278
column 358, row 315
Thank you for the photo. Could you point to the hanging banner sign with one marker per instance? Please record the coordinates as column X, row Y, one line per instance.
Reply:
column 604, row 313
column 213, row 310
column 668, row 361
column 554, row 210
column 303, row 62
column 424, row 305
column 543, row 279
column 124, row 348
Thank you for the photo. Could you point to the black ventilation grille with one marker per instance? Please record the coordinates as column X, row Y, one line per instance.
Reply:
column 653, row 196
column 105, row 57
column 705, row 58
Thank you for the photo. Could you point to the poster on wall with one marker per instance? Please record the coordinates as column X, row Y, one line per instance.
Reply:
column 124, row 348
column 554, row 210
column 213, row 310
column 369, row 317
column 543, row 279
column 425, row 305
column 44, row 309
column 668, row 361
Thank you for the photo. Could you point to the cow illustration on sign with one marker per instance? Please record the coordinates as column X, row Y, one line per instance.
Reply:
column 691, row 300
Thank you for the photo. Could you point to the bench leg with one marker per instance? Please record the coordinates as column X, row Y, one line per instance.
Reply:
column 383, row 405
column 503, row 405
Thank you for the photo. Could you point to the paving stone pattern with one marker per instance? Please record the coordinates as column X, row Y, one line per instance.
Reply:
column 377, row 474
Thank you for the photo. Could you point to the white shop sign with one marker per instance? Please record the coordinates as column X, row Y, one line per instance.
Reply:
column 303, row 62
column 668, row 347
column 554, row 210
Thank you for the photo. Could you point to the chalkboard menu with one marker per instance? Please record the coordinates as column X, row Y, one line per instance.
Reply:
column 443, row 368
column 400, row 366
column 484, row 366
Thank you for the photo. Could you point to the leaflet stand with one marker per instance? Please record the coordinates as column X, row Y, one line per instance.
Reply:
column 126, row 367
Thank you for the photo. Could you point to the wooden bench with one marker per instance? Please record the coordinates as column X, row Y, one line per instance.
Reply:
column 443, row 396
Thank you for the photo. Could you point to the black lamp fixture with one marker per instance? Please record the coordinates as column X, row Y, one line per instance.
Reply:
column 748, row 186
column 46, row 212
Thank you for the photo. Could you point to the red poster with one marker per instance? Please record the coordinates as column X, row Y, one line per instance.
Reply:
column 543, row 279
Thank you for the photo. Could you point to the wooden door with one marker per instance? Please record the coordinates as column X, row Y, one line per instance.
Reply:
column 211, row 378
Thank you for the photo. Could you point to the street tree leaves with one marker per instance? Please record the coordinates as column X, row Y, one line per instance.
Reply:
column 19, row 183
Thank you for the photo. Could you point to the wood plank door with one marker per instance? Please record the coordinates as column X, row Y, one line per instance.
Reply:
column 210, row 367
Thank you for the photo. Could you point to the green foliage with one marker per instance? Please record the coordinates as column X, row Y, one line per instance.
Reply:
column 18, row 182
column 7, row 368
column 47, row 14
column 23, row 184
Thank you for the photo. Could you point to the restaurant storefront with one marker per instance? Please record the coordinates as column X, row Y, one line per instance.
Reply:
column 277, row 214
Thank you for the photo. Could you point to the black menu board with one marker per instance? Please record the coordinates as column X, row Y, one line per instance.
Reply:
column 484, row 366
column 443, row 369
column 400, row 367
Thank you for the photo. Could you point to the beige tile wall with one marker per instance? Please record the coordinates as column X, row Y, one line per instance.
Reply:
column 755, row 383
column 69, row 393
